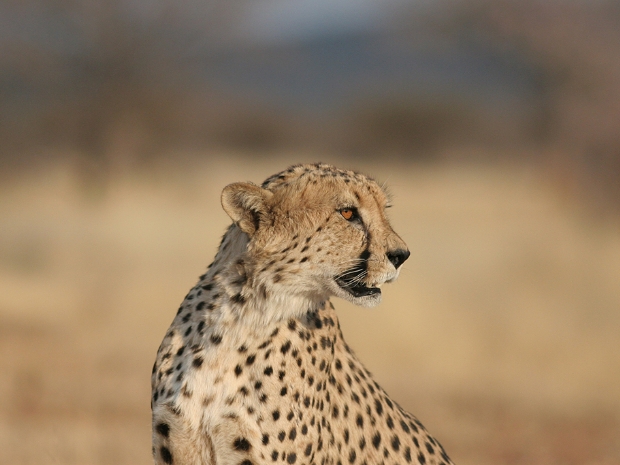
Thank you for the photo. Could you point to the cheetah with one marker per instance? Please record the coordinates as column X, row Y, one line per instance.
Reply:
column 254, row 368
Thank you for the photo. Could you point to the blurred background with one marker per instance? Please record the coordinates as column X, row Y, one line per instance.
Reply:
column 496, row 125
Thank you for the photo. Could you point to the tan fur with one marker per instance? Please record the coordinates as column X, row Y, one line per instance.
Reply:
column 254, row 368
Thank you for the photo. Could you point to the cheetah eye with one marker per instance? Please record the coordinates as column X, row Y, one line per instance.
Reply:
column 349, row 214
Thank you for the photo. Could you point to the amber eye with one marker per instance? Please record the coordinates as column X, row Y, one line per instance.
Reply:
column 347, row 213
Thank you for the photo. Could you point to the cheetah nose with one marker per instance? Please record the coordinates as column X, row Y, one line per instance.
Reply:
column 397, row 257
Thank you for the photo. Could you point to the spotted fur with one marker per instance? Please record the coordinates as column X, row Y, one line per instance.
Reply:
column 254, row 368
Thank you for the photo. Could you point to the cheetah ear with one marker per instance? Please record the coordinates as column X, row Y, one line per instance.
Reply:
column 245, row 203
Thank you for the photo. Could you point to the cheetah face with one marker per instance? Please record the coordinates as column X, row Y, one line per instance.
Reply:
column 318, row 231
column 365, row 251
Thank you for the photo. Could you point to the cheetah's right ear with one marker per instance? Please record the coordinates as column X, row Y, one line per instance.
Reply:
column 245, row 202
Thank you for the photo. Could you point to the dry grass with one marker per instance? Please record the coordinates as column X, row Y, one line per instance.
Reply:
column 501, row 334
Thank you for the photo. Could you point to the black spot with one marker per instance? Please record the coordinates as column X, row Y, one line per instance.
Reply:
column 308, row 450
column 338, row 364
column 200, row 305
column 276, row 415
column 404, row 426
column 352, row 456
column 246, row 462
column 378, row 407
column 285, row 347
column 216, row 339
column 292, row 457
column 407, row 454
column 268, row 371
column 201, row 327
column 250, row 359
column 359, row 421
column 188, row 332
column 265, row 439
column 395, row 443
column 166, row 456
column 180, row 351
column 292, row 434
column 238, row 370
column 197, row 362
column 163, row 429
column 281, row 436
column 283, row 391
column 376, row 440
column 429, row 448
column 346, row 436
column 241, row 444
column 290, row 415
column 274, row 455
column 421, row 458
column 292, row 325
column 242, row 349
column 238, row 299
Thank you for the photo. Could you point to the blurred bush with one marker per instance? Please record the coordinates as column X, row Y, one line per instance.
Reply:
column 121, row 82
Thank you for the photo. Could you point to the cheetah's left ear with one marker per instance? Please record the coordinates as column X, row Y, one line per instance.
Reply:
column 245, row 203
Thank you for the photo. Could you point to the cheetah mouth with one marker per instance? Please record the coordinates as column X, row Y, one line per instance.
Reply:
column 356, row 289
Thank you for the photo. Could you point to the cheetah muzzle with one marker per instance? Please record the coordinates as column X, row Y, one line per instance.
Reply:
column 254, row 368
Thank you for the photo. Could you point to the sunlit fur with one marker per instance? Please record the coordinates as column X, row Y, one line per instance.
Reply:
column 257, row 337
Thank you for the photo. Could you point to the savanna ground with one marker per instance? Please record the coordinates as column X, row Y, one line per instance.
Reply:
column 502, row 334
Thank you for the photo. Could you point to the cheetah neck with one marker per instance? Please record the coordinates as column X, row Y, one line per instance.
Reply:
column 247, row 297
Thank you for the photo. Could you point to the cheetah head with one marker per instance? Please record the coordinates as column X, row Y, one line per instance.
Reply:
column 314, row 231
